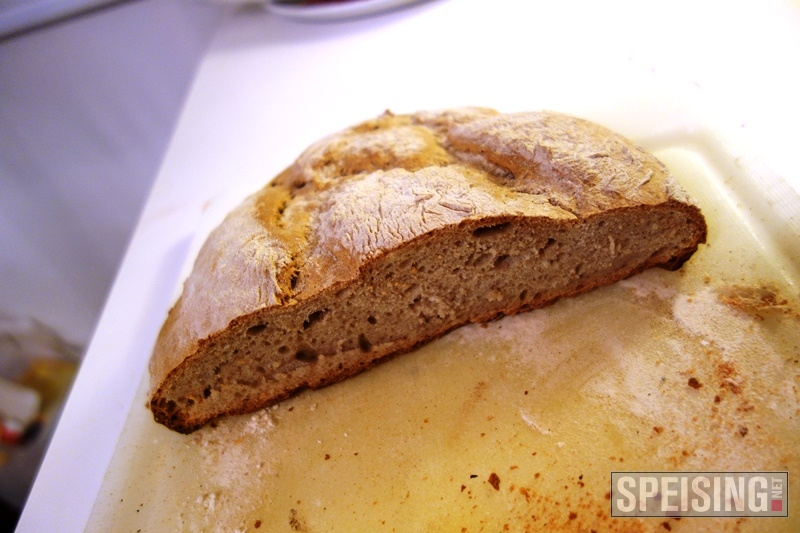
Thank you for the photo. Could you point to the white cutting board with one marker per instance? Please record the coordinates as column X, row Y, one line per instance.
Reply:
column 550, row 402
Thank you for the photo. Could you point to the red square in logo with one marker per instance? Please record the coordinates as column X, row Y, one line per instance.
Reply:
column 777, row 505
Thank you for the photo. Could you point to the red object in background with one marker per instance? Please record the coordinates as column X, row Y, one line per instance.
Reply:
column 9, row 435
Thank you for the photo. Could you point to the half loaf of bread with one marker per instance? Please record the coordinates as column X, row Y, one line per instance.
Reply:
column 397, row 230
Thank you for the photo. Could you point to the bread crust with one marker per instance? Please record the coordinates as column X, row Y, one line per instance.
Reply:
column 355, row 203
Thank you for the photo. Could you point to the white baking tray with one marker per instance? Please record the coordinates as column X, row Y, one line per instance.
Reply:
column 550, row 402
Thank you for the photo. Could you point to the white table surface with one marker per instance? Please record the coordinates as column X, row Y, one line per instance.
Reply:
column 268, row 87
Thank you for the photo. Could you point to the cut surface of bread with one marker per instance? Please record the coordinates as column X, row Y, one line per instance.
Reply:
column 395, row 231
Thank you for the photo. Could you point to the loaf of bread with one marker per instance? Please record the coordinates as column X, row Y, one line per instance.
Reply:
column 394, row 232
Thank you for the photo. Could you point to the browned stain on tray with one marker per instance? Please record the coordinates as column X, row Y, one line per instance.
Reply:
column 758, row 300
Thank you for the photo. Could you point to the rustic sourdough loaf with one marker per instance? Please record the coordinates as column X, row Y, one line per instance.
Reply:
column 395, row 231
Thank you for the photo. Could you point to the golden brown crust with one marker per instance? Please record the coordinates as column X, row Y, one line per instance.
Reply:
column 400, row 185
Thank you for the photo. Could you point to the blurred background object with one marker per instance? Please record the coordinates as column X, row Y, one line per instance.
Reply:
column 36, row 370
column 90, row 92
column 327, row 10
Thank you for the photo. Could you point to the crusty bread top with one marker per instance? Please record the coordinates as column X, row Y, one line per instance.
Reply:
column 357, row 194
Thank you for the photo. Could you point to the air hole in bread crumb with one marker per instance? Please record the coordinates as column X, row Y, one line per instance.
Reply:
column 206, row 392
column 482, row 260
column 371, row 319
column 523, row 295
column 314, row 317
column 502, row 261
column 363, row 343
column 283, row 350
column 306, row 354
column 255, row 330
column 488, row 231
column 347, row 345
